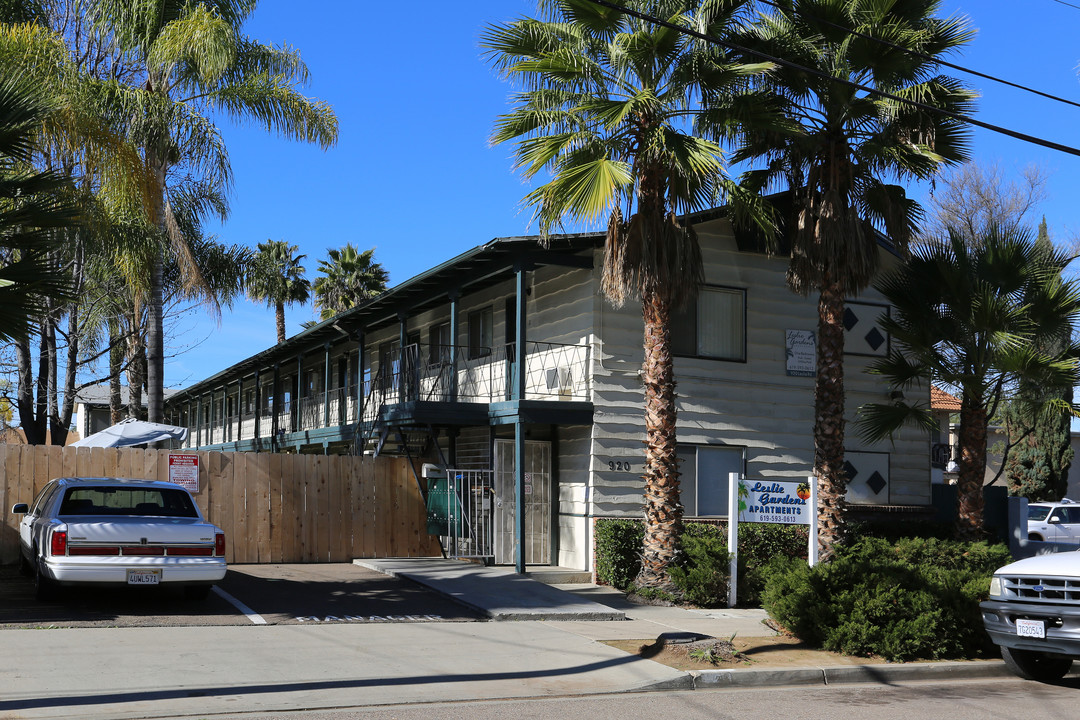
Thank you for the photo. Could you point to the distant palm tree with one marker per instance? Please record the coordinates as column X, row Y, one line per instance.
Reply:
column 980, row 319
column 849, row 142
column 277, row 278
column 349, row 278
column 608, row 108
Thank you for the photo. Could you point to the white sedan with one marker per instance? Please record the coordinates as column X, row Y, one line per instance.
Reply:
column 105, row 531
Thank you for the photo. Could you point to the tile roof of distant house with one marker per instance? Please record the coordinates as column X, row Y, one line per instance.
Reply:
column 941, row 400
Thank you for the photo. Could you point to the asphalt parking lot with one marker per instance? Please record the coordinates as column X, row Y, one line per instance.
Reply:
column 249, row 595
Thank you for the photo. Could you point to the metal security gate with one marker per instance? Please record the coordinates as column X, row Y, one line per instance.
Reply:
column 537, row 529
column 460, row 511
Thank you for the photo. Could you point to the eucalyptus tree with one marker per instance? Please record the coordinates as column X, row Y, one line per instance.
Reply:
column 195, row 63
column 348, row 278
column 276, row 277
column 858, row 69
column 978, row 319
column 606, row 115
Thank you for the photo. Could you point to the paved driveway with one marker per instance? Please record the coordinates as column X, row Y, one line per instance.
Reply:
column 250, row 594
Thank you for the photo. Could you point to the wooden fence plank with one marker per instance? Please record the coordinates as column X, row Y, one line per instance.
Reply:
column 9, row 531
column 273, row 507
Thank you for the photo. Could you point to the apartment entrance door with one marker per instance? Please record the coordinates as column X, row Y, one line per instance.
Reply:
column 538, row 492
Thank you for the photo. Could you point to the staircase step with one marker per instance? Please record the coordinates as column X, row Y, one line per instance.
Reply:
column 559, row 576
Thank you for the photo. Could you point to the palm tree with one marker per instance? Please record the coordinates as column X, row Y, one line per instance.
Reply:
column 607, row 107
column 865, row 58
column 194, row 61
column 277, row 278
column 349, row 278
column 979, row 319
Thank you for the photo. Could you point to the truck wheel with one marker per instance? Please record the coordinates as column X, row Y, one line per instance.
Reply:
column 1033, row 665
column 1035, row 536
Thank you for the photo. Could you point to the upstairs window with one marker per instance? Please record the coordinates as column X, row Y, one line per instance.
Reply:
column 481, row 332
column 714, row 327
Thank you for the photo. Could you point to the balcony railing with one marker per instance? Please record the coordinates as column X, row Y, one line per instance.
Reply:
column 452, row 373
column 438, row 373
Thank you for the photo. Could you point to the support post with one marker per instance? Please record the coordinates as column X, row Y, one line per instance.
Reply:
column 733, row 536
column 519, row 504
column 258, row 409
column 326, row 387
column 812, row 551
column 296, row 396
column 275, row 407
column 519, row 335
column 361, row 391
column 453, row 345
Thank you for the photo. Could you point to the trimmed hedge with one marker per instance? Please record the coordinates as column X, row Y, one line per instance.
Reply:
column 618, row 556
column 917, row 598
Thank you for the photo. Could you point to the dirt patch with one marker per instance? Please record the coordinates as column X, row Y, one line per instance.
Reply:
column 738, row 652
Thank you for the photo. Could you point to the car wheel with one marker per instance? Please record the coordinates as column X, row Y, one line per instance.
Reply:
column 44, row 587
column 1035, row 536
column 1033, row 665
column 196, row 592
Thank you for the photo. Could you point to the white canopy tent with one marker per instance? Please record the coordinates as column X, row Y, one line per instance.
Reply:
column 132, row 432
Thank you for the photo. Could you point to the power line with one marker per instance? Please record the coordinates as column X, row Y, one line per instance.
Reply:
column 938, row 61
column 1066, row 4
column 825, row 76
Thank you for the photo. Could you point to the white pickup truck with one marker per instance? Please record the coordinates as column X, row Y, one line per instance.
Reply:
column 1033, row 614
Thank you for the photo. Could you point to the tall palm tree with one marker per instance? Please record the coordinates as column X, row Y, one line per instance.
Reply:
column 608, row 107
column 979, row 319
column 277, row 278
column 195, row 61
column 348, row 278
column 850, row 142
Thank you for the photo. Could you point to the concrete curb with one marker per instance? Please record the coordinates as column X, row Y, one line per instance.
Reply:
column 843, row 675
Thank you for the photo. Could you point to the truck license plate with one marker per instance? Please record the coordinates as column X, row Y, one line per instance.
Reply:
column 143, row 577
column 1031, row 628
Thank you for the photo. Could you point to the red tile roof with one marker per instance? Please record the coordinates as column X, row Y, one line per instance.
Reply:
column 941, row 400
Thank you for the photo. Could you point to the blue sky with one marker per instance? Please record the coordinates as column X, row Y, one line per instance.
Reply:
column 413, row 174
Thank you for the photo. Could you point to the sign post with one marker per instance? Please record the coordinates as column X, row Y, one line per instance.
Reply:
column 768, row 501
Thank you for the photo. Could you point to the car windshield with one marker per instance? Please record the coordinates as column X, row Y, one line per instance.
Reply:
column 135, row 501
column 1037, row 514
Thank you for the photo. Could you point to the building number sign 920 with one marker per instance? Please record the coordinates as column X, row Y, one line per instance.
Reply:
column 619, row 466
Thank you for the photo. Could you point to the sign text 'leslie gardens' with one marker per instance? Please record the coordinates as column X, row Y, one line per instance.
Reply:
column 775, row 502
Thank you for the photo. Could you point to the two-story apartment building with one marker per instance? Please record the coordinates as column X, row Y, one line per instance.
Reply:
column 508, row 366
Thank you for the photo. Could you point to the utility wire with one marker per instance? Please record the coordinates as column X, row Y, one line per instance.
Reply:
column 825, row 76
column 922, row 56
column 1066, row 4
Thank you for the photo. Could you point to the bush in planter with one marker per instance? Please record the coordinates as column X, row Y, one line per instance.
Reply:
column 703, row 573
column 618, row 551
column 917, row 598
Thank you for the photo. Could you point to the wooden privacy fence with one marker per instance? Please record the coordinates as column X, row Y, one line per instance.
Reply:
column 273, row 508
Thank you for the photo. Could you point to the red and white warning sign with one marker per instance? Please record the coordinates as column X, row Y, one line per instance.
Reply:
column 184, row 470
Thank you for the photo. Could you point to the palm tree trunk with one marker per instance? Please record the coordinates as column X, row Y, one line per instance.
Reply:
column 969, row 483
column 829, row 420
column 279, row 316
column 155, row 330
column 28, row 419
column 116, row 363
column 663, row 507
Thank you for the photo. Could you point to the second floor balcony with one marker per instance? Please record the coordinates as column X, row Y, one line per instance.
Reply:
column 457, row 374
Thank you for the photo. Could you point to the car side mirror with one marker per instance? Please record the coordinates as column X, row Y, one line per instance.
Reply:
column 20, row 509
column 1054, row 519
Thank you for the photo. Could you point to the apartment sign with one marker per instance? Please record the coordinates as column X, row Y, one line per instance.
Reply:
column 767, row 501
column 184, row 471
column 800, row 350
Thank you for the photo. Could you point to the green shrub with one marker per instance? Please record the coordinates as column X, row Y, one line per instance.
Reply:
column 703, row 572
column 618, row 551
column 916, row 598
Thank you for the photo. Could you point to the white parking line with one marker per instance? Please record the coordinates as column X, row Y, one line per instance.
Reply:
column 251, row 614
